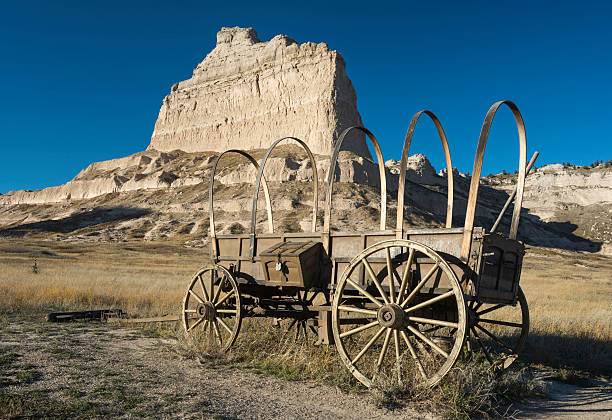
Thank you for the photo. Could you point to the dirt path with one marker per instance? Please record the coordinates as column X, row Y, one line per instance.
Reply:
column 94, row 370
column 568, row 402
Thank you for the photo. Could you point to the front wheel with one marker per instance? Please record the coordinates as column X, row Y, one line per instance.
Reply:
column 399, row 312
column 212, row 308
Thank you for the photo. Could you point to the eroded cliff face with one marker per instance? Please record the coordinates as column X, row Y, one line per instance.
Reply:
column 247, row 93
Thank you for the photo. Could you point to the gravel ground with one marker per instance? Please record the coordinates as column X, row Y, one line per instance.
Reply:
column 99, row 370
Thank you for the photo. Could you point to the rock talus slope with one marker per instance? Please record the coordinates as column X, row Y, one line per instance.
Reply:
column 249, row 93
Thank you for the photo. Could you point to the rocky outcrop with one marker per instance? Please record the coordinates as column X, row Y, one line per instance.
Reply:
column 574, row 200
column 250, row 93
column 153, row 169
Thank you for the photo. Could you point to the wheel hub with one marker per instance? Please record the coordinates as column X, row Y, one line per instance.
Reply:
column 473, row 318
column 207, row 310
column 391, row 316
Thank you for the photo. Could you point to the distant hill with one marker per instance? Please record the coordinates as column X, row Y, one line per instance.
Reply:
column 155, row 195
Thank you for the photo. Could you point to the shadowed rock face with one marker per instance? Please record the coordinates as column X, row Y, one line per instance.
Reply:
column 249, row 93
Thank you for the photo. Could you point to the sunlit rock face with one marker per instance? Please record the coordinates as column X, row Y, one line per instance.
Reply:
column 247, row 93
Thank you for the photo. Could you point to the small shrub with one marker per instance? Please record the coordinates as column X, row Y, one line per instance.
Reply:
column 471, row 389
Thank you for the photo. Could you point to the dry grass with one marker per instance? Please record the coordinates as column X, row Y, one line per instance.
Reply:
column 140, row 278
column 266, row 348
column 469, row 390
column 569, row 296
column 570, row 300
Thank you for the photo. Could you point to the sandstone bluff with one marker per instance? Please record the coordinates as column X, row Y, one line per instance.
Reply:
column 249, row 93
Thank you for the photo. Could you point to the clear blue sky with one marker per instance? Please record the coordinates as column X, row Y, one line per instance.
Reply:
column 83, row 81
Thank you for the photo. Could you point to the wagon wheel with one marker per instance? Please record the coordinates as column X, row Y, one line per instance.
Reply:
column 212, row 307
column 499, row 331
column 298, row 327
column 426, row 326
column 301, row 327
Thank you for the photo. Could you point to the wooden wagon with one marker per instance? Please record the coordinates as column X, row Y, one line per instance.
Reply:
column 398, row 302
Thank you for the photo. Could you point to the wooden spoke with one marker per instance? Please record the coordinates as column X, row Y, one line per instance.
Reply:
column 203, row 288
column 212, row 283
column 375, row 280
column 433, row 322
column 491, row 309
column 363, row 292
column 224, row 325
column 433, row 345
column 226, row 311
column 383, row 351
column 214, row 299
column 397, row 355
column 494, row 337
column 195, row 324
column 293, row 322
column 224, row 298
column 390, row 274
column 367, row 346
column 407, row 270
column 430, row 301
column 190, row 311
column 432, row 329
column 217, row 332
column 420, row 285
column 358, row 310
column 196, row 296
column 484, row 350
column 413, row 354
column 504, row 323
column 358, row 329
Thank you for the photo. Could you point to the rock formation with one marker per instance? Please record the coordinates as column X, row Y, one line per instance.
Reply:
column 250, row 93
column 246, row 94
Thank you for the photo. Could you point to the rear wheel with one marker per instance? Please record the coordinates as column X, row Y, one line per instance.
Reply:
column 212, row 309
column 499, row 331
column 399, row 312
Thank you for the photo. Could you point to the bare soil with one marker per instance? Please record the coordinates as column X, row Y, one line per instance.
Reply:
column 102, row 370
column 98, row 370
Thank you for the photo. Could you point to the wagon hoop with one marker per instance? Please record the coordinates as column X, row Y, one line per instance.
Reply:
column 211, row 193
column 332, row 173
column 473, row 195
column 260, row 176
column 404, row 163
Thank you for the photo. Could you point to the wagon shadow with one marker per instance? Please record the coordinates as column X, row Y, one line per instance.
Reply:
column 74, row 222
column 579, row 353
column 567, row 400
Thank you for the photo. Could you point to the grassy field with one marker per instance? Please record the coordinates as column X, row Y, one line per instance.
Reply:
column 569, row 296
column 142, row 278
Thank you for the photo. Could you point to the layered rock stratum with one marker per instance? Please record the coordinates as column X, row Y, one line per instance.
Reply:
column 249, row 93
